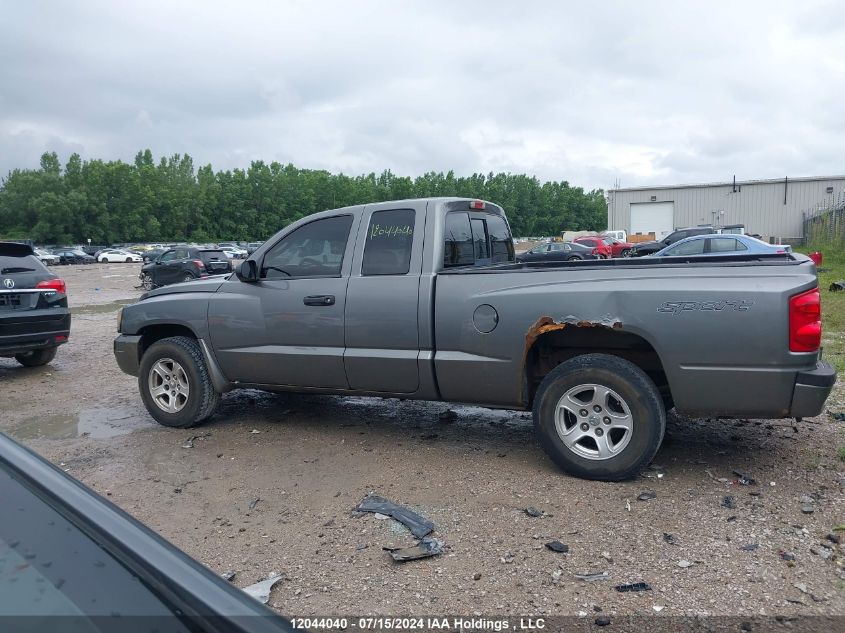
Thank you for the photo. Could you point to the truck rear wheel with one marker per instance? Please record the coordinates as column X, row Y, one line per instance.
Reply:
column 599, row 417
column 175, row 384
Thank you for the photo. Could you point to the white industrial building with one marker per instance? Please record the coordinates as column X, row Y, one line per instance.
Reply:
column 771, row 208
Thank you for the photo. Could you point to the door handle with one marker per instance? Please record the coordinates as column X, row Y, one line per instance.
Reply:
column 319, row 300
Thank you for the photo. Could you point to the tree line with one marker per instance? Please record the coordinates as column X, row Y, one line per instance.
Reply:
column 117, row 202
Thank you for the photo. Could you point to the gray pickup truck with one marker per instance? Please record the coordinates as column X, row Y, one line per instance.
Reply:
column 423, row 299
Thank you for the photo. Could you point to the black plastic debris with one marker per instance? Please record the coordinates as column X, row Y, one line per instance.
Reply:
column 837, row 286
column 787, row 556
column 744, row 480
column 751, row 547
column 533, row 512
column 728, row 502
column 634, row 586
column 426, row 548
column 448, row 416
column 254, row 503
column 645, row 495
column 670, row 538
column 731, row 518
column 557, row 546
column 839, row 417
column 418, row 525
column 602, row 620
column 228, row 575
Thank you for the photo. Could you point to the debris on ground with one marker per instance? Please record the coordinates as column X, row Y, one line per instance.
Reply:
column 839, row 417
column 255, row 431
column 808, row 504
column 261, row 590
column 628, row 505
column 654, row 471
column 602, row 620
column 744, row 480
column 593, row 577
column 419, row 526
column 477, row 576
column 634, row 586
column 557, row 546
column 670, row 538
column 787, row 556
column 448, row 416
column 800, row 586
column 533, row 512
column 837, row 286
column 507, row 559
column 189, row 443
column 822, row 551
column 658, row 608
column 426, row 548
column 833, row 538
column 645, row 495
column 728, row 502
column 683, row 564
column 750, row 547
column 720, row 480
column 607, row 557
column 254, row 503
column 229, row 575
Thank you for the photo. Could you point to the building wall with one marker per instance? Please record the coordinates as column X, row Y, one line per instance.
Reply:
column 759, row 205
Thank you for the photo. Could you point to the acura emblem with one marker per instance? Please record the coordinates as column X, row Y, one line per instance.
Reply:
column 9, row 283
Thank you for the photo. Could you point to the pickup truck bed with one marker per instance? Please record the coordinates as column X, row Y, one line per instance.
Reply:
column 422, row 299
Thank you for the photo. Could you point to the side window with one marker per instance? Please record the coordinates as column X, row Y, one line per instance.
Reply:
column 181, row 253
column 726, row 245
column 481, row 246
column 313, row 250
column 675, row 237
column 693, row 247
column 169, row 256
column 457, row 236
column 501, row 242
column 387, row 246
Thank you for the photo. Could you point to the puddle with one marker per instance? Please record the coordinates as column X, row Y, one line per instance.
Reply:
column 102, row 308
column 96, row 423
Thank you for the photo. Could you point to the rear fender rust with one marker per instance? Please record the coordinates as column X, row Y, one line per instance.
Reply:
column 546, row 324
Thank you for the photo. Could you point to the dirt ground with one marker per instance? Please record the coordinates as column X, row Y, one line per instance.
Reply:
column 269, row 484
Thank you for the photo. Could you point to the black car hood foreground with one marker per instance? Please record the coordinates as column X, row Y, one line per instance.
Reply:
column 206, row 284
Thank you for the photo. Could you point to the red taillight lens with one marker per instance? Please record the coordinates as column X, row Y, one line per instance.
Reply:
column 805, row 321
column 198, row 264
column 476, row 204
column 53, row 284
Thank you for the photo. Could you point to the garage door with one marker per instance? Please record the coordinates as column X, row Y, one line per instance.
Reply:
column 653, row 217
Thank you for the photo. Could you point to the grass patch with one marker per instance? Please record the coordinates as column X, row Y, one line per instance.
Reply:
column 841, row 453
column 833, row 305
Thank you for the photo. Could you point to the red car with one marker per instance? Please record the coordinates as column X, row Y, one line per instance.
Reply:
column 606, row 246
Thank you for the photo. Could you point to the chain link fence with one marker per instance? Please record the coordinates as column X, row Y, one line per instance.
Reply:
column 824, row 225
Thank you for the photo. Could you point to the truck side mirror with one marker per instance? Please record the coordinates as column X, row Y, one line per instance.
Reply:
column 248, row 271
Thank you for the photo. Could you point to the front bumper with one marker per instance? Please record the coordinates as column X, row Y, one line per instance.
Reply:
column 127, row 350
column 811, row 390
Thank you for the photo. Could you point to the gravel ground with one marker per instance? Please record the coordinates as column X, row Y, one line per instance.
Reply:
column 308, row 460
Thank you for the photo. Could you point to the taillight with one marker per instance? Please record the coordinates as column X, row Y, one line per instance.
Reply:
column 198, row 265
column 805, row 321
column 476, row 204
column 53, row 284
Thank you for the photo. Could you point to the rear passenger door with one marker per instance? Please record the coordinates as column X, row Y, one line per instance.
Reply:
column 382, row 338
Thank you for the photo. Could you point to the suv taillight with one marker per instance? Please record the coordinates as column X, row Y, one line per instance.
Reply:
column 198, row 265
column 805, row 321
column 53, row 284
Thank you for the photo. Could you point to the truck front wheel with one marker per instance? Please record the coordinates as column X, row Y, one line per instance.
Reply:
column 175, row 384
column 599, row 417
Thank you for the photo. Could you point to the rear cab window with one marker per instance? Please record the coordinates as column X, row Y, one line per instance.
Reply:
column 476, row 239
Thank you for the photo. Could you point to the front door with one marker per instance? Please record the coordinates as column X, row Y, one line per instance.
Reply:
column 287, row 328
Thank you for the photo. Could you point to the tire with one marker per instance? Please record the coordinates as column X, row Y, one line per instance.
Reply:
column 147, row 282
column 187, row 278
column 193, row 399
column 626, row 252
column 36, row 358
column 128, row 260
column 632, row 404
column 574, row 258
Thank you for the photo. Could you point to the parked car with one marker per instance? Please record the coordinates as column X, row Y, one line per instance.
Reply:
column 252, row 247
column 151, row 255
column 183, row 264
column 422, row 299
column 92, row 249
column 597, row 243
column 233, row 252
column 72, row 560
column 73, row 256
column 618, row 248
column 721, row 244
column 48, row 259
column 558, row 251
column 115, row 255
column 648, row 248
column 34, row 317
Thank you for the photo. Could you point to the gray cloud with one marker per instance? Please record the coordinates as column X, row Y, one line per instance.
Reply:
column 649, row 92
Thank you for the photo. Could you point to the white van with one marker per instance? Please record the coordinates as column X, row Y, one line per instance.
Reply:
column 621, row 236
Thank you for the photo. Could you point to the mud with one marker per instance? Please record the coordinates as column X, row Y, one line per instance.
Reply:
column 309, row 460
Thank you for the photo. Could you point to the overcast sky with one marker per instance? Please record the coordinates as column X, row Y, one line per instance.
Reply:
column 639, row 92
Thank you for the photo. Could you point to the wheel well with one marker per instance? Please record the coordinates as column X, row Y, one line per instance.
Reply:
column 153, row 333
column 558, row 342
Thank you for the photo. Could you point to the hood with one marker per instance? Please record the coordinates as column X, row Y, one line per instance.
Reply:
column 207, row 284
column 652, row 243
